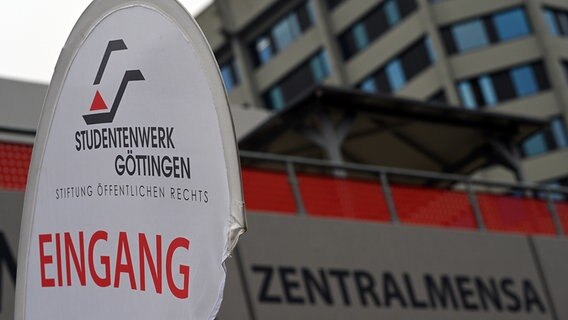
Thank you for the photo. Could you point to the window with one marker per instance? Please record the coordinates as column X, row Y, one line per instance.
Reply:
column 229, row 74
column 511, row 24
column 470, row 35
column 319, row 66
column 558, row 128
column 430, row 48
column 286, row 31
column 417, row 58
column 360, row 36
column 468, row 97
column 276, row 98
column 535, row 145
column 557, row 21
column 551, row 138
column 395, row 75
column 374, row 24
column 282, row 34
column 369, row 85
column 551, row 21
column 264, row 49
column 480, row 32
column 302, row 79
column 524, row 81
column 391, row 11
column 400, row 69
column 490, row 89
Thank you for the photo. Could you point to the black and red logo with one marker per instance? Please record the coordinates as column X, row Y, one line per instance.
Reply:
column 99, row 103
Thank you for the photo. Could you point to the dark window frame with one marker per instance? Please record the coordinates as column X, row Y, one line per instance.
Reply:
column 380, row 76
column 503, row 84
column 375, row 24
column 551, row 144
column 490, row 30
column 556, row 11
column 305, row 64
column 302, row 13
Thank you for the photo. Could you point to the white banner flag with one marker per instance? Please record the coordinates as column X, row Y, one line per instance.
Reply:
column 134, row 198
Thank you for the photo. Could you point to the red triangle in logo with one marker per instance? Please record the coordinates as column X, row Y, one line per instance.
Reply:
column 98, row 102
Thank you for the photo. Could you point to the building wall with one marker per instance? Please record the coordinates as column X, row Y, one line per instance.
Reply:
column 298, row 268
column 289, row 267
column 244, row 21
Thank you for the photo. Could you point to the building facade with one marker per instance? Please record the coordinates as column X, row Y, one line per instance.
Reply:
column 501, row 56
column 366, row 242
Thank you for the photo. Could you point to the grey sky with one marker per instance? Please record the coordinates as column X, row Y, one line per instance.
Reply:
column 32, row 33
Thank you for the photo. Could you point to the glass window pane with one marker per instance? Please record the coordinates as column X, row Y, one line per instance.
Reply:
column 415, row 59
column 511, row 24
column 488, row 90
column 395, row 75
column 376, row 23
column 392, row 12
column 228, row 77
column 286, row 31
column 369, row 85
column 320, row 67
column 535, row 145
column 276, row 98
column 294, row 25
column 559, row 133
column 310, row 11
column 524, row 81
column 263, row 49
column 551, row 21
column 430, row 48
column 470, row 35
column 360, row 35
column 467, row 96
column 504, row 86
column 563, row 23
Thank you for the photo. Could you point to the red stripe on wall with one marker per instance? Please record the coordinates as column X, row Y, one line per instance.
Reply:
column 511, row 214
column 14, row 164
column 343, row 198
column 434, row 207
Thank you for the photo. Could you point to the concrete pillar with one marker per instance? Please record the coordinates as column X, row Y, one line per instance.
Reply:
column 551, row 52
column 246, row 71
column 241, row 56
column 327, row 36
column 443, row 67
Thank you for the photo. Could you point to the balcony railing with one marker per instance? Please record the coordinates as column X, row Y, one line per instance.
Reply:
column 300, row 186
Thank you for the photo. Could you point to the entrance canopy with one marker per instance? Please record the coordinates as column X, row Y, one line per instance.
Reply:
column 352, row 126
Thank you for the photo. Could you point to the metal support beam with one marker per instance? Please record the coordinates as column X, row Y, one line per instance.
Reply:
column 330, row 137
column 293, row 180
column 554, row 214
column 508, row 155
column 475, row 206
column 389, row 198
